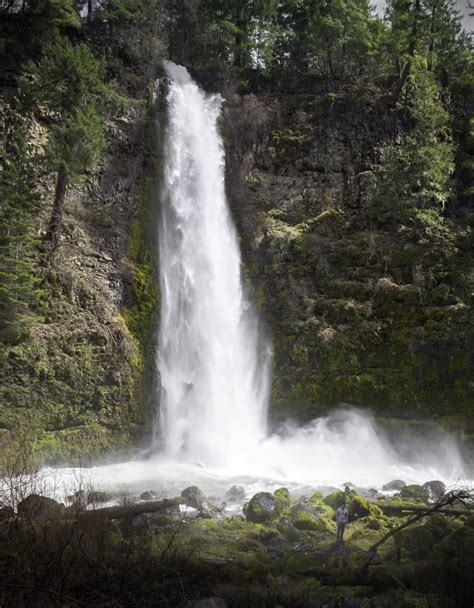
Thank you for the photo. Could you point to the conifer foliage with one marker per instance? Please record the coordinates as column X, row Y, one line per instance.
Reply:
column 20, row 282
column 68, row 80
column 414, row 179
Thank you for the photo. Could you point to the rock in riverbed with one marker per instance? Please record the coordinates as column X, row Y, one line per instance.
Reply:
column 394, row 485
column 433, row 490
column 235, row 493
column 35, row 506
column 262, row 507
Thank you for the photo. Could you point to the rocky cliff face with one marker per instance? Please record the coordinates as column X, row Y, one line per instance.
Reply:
column 375, row 316
column 358, row 313
column 74, row 387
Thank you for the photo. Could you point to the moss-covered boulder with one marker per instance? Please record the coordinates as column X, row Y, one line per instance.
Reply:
column 263, row 507
column 35, row 506
column 288, row 530
column 412, row 492
column 359, row 507
column 335, row 499
column 283, row 495
column 305, row 517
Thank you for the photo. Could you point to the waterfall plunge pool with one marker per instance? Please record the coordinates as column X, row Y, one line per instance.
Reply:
column 348, row 446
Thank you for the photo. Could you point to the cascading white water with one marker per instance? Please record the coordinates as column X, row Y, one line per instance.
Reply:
column 214, row 383
column 214, row 366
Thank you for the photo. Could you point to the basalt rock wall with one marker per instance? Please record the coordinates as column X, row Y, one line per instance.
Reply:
column 360, row 313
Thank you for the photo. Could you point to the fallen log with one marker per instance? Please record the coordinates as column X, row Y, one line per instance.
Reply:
column 401, row 509
column 134, row 509
column 464, row 496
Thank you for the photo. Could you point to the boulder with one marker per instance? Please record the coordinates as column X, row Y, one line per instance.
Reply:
column 412, row 492
column 148, row 495
column 97, row 498
column 305, row 517
column 35, row 506
column 367, row 493
column 360, row 507
column 262, row 507
column 288, row 530
column 235, row 493
column 394, row 486
column 141, row 520
column 335, row 499
column 283, row 495
column 193, row 497
column 433, row 490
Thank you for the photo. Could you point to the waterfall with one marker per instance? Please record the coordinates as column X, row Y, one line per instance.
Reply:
column 213, row 364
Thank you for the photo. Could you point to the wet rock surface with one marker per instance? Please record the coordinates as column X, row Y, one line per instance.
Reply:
column 262, row 507
column 235, row 493
column 433, row 490
column 193, row 497
column 35, row 506
column 395, row 485
column 290, row 553
column 373, row 317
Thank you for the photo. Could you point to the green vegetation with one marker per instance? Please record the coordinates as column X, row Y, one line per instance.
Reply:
column 414, row 180
column 349, row 155
column 67, row 80
column 96, row 558
column 20, row 290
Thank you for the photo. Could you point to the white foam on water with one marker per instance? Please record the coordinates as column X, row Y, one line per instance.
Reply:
column 213, row 364
column 213, row 361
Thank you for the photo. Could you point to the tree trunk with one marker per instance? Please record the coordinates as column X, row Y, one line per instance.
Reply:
column 240, row 37
column 133, row 509
column 56, row 220
column 432, row 39
column 89, row 11
column 414, row 29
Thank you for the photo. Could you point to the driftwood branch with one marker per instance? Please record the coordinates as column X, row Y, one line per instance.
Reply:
column 438, row 507
column 400, row 510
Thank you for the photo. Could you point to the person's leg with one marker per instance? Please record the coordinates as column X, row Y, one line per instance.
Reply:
column 338, row 536
column 342, row 533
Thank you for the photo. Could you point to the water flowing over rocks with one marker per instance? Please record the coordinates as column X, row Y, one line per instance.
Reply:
column 235, row 493
column 432, row 490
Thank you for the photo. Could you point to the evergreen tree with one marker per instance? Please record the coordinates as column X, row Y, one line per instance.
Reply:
column 334, row 37
column 74, row 145
column 20, row 292
column 429, row 28
column 414, row 177
column 68, row 81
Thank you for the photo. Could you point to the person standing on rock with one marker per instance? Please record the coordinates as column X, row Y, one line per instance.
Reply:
column 342, row 517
